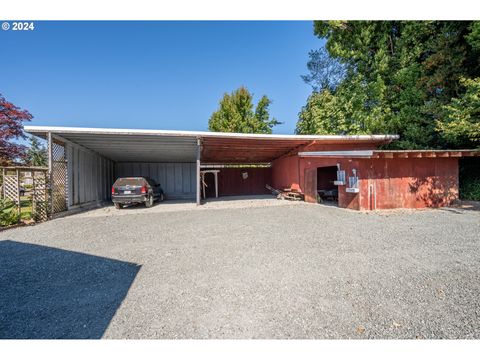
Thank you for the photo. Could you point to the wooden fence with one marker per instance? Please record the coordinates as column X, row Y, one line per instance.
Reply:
column 11, row 189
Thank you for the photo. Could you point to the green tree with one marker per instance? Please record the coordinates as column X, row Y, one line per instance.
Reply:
column 326, row 72
column 36, row 153
column 461, row 125
column 236, row 114
column 400, row 77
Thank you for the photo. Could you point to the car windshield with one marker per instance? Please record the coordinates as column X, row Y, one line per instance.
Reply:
column 130, row 181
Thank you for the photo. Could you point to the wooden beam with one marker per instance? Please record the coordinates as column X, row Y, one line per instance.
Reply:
column 18, row 193
column 199, row 151
column 296, row 149
column 50, row 170
column 455, row 154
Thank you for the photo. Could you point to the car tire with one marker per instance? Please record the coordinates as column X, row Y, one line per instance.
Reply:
column 118, row 206
column 149, row 202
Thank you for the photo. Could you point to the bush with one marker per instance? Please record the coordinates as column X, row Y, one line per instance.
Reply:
column 470, row 189
column 470, row 179
column 8, row 213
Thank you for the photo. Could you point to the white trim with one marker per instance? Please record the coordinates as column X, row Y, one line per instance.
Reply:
column 215, row 174
column 352, row 190
column 349, row 153
column 108, row 131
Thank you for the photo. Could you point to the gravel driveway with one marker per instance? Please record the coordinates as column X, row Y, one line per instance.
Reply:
column 291, row 271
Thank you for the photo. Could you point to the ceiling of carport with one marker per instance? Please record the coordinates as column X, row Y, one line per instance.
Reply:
column 132, row 147
column 143, row 148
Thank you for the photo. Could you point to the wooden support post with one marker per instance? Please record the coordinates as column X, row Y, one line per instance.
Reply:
column 4, row 186
column 34, row 198
column 199, row 148
column 216, row 183
column 18, row 193
column 50, row 170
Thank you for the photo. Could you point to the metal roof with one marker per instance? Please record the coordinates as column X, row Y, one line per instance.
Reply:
column 201, row 134
column 181, row 146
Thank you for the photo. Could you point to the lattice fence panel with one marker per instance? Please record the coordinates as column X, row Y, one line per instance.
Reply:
column 40, row 196
column 10, row 187
column 59, row 178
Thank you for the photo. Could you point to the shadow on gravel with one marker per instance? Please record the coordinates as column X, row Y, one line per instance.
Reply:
column 49, row 293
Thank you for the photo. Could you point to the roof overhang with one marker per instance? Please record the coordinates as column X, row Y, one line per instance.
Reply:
column 390, row 154
column 182, row 146
column 336, row 154
column 122, row 145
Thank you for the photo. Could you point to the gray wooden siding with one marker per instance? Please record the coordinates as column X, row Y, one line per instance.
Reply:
column 177, row 179
column 89, row 176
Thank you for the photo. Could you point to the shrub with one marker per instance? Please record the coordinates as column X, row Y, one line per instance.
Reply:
column 470, row 179
column 470, row 189
column 8, row 213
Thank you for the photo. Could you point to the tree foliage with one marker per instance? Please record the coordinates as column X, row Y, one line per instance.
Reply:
column 236, row 114
column 326, row 72
column 404, row 77
column 11, row 128
column 461, row 123
column 37, row 153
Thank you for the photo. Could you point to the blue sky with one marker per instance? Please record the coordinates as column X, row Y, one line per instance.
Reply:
column 153, row 75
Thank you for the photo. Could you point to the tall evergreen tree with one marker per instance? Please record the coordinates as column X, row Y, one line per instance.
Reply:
column 36, row 153
column 400, row 77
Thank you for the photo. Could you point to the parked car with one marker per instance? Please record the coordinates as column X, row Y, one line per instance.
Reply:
column 135, row 190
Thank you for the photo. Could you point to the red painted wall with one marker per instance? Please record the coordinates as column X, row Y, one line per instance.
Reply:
column 231, row 182
column 384, row 183
column 286, row 171
column 408, row 183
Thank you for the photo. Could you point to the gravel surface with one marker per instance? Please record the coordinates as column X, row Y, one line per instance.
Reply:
column 291, row 271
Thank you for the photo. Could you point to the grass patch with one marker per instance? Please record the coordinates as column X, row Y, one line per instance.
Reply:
column 9, row 211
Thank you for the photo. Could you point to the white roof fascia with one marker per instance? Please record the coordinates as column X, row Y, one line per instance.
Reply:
column 204, row 134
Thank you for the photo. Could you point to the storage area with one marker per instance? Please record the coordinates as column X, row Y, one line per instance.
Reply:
column 176, row 179
column 237, row 181
column 326, row 189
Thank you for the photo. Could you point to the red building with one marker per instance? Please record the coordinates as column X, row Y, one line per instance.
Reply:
column 84, row 163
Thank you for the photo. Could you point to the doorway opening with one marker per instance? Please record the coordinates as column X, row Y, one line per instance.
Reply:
column 326, row 189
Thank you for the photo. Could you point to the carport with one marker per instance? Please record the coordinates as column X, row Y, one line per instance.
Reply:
column 84, row 162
